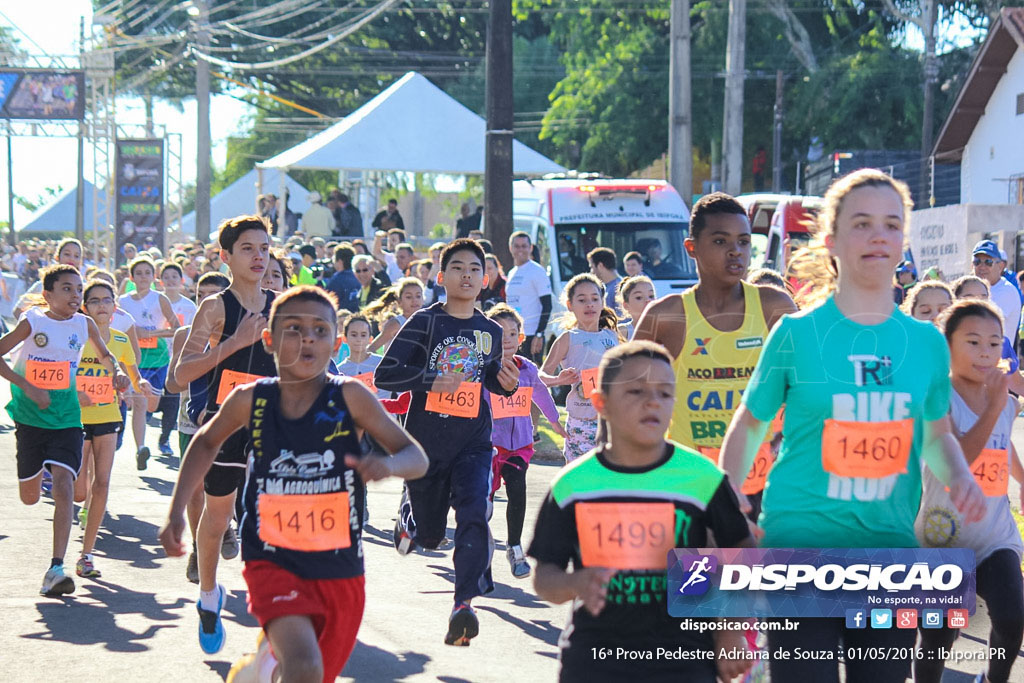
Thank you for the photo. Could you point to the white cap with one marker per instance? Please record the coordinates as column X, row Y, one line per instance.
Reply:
column 313, row 197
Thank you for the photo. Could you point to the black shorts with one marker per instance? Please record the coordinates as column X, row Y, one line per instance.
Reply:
column 38, row 448
column 101, row 429
column 227, row 474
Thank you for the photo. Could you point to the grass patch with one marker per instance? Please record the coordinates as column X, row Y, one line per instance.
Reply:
column 1019, row 519
column 550, row 444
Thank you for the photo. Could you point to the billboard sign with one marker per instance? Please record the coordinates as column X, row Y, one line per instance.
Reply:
column 140, row 195
column 42, row 94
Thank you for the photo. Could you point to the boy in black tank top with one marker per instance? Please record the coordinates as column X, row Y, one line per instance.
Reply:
column 224, row 345
column 301, row 530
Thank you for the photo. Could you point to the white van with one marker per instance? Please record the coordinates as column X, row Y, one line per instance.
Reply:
column 568, row 217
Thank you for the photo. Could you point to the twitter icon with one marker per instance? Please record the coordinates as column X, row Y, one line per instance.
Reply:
column 881, row 618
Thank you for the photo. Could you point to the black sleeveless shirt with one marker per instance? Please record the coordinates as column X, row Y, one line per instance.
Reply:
column 253, row 360
column 303, row 458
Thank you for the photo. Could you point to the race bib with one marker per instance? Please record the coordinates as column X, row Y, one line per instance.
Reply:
column 588, row 382
column 710, row 453
column 99, row 389
column 147, row 342
column 625, row 535
column 991, row 470
column 48, row 374
column 367, row 379
column 869, row 450
column 516, row 405
column 229, row 379
column 463, row 402
column 758, row 474
column 181, row 318
column 777, row 421
column 312, row 522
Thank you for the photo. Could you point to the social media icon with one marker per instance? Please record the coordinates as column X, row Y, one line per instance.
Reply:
column 957, row 618
column 931, row 618
column 856, row 618
column 906, row 618
column 881, row 618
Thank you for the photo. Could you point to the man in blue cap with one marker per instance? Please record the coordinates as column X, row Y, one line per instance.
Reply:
column 906, row 277
column 989, row 263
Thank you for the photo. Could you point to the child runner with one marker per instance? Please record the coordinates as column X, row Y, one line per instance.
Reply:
column 406, row 296
column 982, row 414
column 618, row 591
column 277, row 274
column 184, row 309
column 360, row 363
column 512, row 433
column 151, row 310
column 305, row 579
column 633, row 296
column 850, row 367
column 593, row 329
column 208, row 285
column 926, row 300
column 101, row 417
column 971, row 287
column 443, row 354
column 235, row 319
column 44, row 402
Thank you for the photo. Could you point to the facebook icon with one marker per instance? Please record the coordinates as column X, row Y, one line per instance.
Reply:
column 856, row 618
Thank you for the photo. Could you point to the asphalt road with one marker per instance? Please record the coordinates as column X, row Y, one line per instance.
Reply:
column 138, row 621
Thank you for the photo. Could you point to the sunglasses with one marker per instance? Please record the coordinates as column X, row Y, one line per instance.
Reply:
column 362, row 270
column 986, row 261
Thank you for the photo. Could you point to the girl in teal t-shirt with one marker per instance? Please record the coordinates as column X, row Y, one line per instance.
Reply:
column 866, row 390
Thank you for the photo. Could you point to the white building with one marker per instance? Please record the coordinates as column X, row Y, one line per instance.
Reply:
column 985, row 129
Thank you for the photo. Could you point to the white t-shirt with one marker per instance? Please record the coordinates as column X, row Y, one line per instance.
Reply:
column 526, row 285
column 394, row 272
column 1005, row 296
column 184, row 310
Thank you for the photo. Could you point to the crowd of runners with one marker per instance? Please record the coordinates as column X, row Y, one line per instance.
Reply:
column 744, row 412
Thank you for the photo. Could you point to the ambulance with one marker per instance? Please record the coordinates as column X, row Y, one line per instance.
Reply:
column 567, row 217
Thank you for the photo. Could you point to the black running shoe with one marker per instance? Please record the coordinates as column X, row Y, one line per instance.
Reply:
column 462, row 626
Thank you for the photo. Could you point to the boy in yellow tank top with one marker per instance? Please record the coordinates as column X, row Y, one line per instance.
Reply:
column 715, row 330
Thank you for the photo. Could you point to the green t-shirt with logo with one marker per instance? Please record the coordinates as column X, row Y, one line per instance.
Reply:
column 822, row 365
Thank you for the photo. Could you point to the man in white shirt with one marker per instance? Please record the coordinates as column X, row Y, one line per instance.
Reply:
column 528, row 290
column 317, row 221
column 988, row 265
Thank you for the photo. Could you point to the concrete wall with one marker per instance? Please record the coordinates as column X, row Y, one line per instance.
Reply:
column 996, row 148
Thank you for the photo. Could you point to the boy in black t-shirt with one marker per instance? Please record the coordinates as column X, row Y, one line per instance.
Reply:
column 446, row 355
column 302, row 527
column 615, row 513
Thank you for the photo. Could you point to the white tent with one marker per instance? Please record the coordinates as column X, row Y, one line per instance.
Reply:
column 240, row 198
column 59, row 215
column 411, row 126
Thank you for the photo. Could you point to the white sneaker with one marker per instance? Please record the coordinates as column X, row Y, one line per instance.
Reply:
column 56, row 583
column 517, row 561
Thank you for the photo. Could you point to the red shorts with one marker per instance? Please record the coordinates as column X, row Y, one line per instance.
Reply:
column 334, row 605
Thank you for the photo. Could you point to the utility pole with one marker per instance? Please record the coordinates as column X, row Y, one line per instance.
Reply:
column 11, row 236
column 732, row 129
column 680, row 131
column 203, row 132
column 931, row 76
column 777, row 135
column 500, row 107
column 80, row 192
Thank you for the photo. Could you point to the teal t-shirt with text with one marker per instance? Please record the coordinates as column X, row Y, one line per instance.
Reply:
column 821, row 365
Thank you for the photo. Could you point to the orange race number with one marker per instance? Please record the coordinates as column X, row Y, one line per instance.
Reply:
column 758, row 474
column 367, row 379
column 229, row 379
column 463, row 402
column 48, row 374
column 991, row 470
column 516, row 405
column 147, row 342
column 588, row 382
column 870, row 450
column 308, row 522
column 625, row 535
column 99, row 389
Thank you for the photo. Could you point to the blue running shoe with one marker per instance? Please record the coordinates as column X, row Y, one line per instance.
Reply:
column 211, row 629
column 47, row 484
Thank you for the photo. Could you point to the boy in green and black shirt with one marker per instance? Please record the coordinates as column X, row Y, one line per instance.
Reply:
column 615, row 513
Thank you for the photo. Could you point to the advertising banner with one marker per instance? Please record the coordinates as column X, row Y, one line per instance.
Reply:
column 140, row 195
column 42, row 94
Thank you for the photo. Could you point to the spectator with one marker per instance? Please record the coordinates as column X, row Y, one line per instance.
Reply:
column 391, row 214
column 395, row 237
column 633, row 264
column 988, row 265
column 467, row 222
column 370, row 288
column 476, row 234
column 494, row 292
column 359, row 246
column 398, row 258
column 485, row 245
column 268, row 211
column 528, row 291
column 317, row 221
column 349, row 219
column 758, row 166
column 602, row 264
column 344, row 283
column 906, row 277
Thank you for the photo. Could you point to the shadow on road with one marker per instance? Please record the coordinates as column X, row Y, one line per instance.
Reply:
column 78, row 622
column 541, row 630
column 369, row 663
column 161, row 486
column 127, row 538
